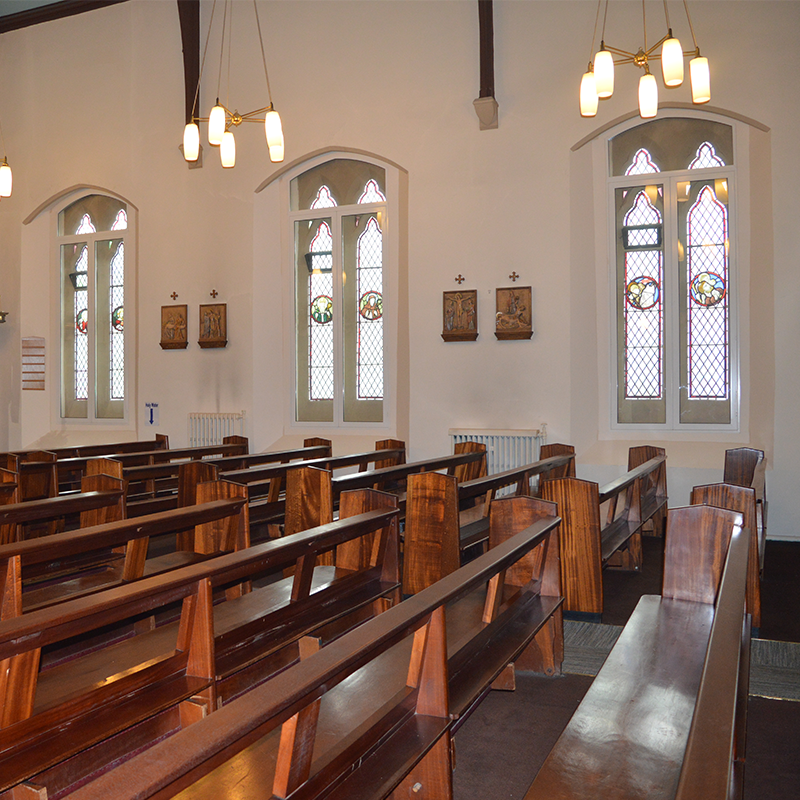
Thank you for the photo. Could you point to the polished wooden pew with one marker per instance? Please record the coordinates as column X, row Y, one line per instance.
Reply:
column 743, row 500
column 53, row 568
column 442, row 521
column 746, row 466
column 101, row 499
column 602, row 527
column 147, row 480
column 232, row 632
column 665, row 717
column 653, row 488
column 374, row 712
column 160, row 441
column 312, row 492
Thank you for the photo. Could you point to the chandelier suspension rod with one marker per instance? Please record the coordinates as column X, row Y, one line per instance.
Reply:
column 691, row 27
column 263, row 54
column 203, row 62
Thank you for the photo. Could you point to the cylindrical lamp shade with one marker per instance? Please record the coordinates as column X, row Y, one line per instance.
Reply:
column 191, row 142
column 648, row 96
column 604, row 73
column 216, row 125
column 701, row 80
column 5, row 179
column 672, row 62
column 227, row 150
column 274, row 132
column 588, row 95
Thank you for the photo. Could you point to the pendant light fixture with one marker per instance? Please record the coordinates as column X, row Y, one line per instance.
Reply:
column 221, row 119
column 5, row 171
column 599, row 77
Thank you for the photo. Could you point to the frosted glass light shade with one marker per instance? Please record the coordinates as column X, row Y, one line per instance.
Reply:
column 5, row 179
column 588, row 95
column 672, row 62
column 227, row 150
column 191, row 141
column 648, row 96
column 701, row 80
column 274, row 132
column 216, row 125
column 604, row 73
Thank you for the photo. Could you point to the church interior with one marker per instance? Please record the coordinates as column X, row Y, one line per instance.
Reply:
column 346, row 281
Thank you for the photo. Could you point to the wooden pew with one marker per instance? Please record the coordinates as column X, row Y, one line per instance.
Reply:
column 602, row 527
column 81, row 562
column 653, row 488
column 746, row 466
column 102, row 499
column 441, row 523
column 743, row 500
column 161, row 441
column 109, row 703
column 665, row 717
column 163, row 477
column 374, row 712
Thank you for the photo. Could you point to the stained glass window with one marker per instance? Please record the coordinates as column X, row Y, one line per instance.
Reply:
column 116, row 297
column 93, row 307
column 706, row 157
column 320, row 317
column 80, row 350
column 643, row 314
column 324, row 198
column 371, row 194
column 642, row 164
column 707, row 279
column 370, row 311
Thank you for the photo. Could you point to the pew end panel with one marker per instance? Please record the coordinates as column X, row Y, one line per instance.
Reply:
column 746, row 466
column 653, row 487
column 474, row 469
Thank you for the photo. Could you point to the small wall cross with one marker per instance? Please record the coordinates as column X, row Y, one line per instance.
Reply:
column 174, row 295
column 514, row 276
column 460, row 279
column 213, row 293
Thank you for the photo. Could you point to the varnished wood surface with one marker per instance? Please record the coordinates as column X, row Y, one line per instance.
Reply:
column 57, row 507
column 368, row 697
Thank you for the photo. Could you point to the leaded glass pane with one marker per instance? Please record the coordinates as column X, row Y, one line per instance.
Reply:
column 370, row 312
column 643, row 303
column 116, row 298
column 81, row 343
column 320, row 316
column 706, row 157
column 371, row 194
column 707, row 302
column 324, row 199
column 642, row 164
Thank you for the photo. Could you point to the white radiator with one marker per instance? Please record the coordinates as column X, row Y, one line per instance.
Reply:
column 504, row 449
column 207, row 428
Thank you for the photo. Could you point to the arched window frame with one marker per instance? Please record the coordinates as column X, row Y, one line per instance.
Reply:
column 674, row 333
column 274, row 248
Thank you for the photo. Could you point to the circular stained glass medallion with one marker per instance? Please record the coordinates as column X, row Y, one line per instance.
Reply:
column 117, row 318
column 370, row 306
column 322, row 309
column 707, row 289
column 82, row 321
column 643, row 293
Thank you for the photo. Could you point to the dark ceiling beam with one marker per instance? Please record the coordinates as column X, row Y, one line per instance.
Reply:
column 66, row 8
column 189, row 13
column 486, row 26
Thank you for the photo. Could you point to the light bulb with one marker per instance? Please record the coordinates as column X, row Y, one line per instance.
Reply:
column 648, row 96
column 227, row 150
column 588, row 95
column 604, row 72
column 216, row 124
column 672, row 62
column 5, row 179
column 191, row 141
column 701, row 80
column 274, row 133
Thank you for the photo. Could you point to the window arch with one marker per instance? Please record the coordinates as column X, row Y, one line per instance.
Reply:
column 675, row 337
column 91, row 240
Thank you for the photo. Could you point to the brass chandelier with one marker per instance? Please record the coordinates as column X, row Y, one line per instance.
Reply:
column 221, row 119
column 598, row 81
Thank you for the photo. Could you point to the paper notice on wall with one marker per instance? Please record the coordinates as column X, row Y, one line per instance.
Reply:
column 151, row 414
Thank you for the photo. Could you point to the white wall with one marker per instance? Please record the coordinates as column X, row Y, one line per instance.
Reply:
column 98, row 99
